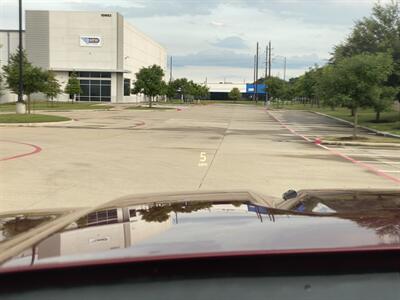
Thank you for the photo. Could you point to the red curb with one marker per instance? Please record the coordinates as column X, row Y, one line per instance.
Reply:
column 337, row 153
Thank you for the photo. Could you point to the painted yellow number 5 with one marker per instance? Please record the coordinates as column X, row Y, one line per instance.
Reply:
column 203, row 156
column 203, row 159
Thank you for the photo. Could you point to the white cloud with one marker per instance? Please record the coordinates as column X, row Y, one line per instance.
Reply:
column 231, row 42
column 303, row 30
column 217, row 23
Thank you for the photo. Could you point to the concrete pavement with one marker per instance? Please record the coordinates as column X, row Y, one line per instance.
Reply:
column 108, row 154
column 381, row 160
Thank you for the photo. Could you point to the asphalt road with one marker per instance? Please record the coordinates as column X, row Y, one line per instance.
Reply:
column 108, row 154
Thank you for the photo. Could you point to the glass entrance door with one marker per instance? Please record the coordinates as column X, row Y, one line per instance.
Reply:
column 95, row 86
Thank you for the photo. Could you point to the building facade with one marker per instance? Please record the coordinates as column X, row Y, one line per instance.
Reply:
column 101, row 48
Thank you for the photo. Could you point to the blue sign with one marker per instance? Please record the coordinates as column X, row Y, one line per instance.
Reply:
column 257, row 209
column 261, row 88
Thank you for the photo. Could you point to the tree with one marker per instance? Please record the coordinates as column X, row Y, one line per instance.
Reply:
column 357, row 81
column 306, row 85
column 52, row 87
column 149, row 82
column 276, row 88
column 34, row 78
column 197, row 91
column 187, row 89
column 326, row 88
column 170, row 91
column 73, row 86
column 204, row 91
column 181, row 86
column 384, row 101
column 235, row 94
column 1, row 86
column 377, row 33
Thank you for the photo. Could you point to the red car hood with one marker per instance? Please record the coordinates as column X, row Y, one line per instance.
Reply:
column 171, row 226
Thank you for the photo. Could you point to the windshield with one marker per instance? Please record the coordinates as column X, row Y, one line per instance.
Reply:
column 211, row 126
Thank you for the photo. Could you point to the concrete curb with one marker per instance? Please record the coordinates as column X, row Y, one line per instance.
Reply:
column 72, row 110
column 43, row 124
column 377, row 132
column 340, row 143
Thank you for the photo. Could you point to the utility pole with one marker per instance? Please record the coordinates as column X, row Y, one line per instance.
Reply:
column 256, row 73
column 170, row 69
column 254, row 78
column 266, row 72
column 284, row 69
column 269, row 59
column 266, row 63
column 20, row 78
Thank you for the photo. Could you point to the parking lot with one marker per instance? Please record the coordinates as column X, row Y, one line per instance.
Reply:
column 381, row 160
column 103, row 155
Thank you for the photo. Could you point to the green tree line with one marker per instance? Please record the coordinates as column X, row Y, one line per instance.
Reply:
column 363, row 71
column 149, row 82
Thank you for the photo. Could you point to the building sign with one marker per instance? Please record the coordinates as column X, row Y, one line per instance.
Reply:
column 261, row 88
column 90, row 41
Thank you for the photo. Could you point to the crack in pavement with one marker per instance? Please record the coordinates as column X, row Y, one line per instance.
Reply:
column 217, row 150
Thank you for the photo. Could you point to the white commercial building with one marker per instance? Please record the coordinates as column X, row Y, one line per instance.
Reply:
column 220, row 90
column 100, row 47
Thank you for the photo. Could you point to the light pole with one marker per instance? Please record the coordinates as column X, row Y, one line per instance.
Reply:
column 20, row 107
column 20, row 81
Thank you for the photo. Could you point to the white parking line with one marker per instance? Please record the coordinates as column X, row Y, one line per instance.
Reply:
column 390, row 171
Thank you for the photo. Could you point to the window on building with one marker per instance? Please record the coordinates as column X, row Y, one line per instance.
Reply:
column 95, row 90
column 84, row 74
column 127, row 86
column 92, row 74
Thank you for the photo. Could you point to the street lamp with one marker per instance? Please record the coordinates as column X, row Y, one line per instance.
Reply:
column 20, row 107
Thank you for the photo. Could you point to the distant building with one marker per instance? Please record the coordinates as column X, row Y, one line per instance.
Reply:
column 102, row 48
column 220, row 91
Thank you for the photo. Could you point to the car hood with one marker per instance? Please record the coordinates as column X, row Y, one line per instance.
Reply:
column 174, row 225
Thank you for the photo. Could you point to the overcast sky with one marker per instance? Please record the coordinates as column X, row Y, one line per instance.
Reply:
column 217, row 38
